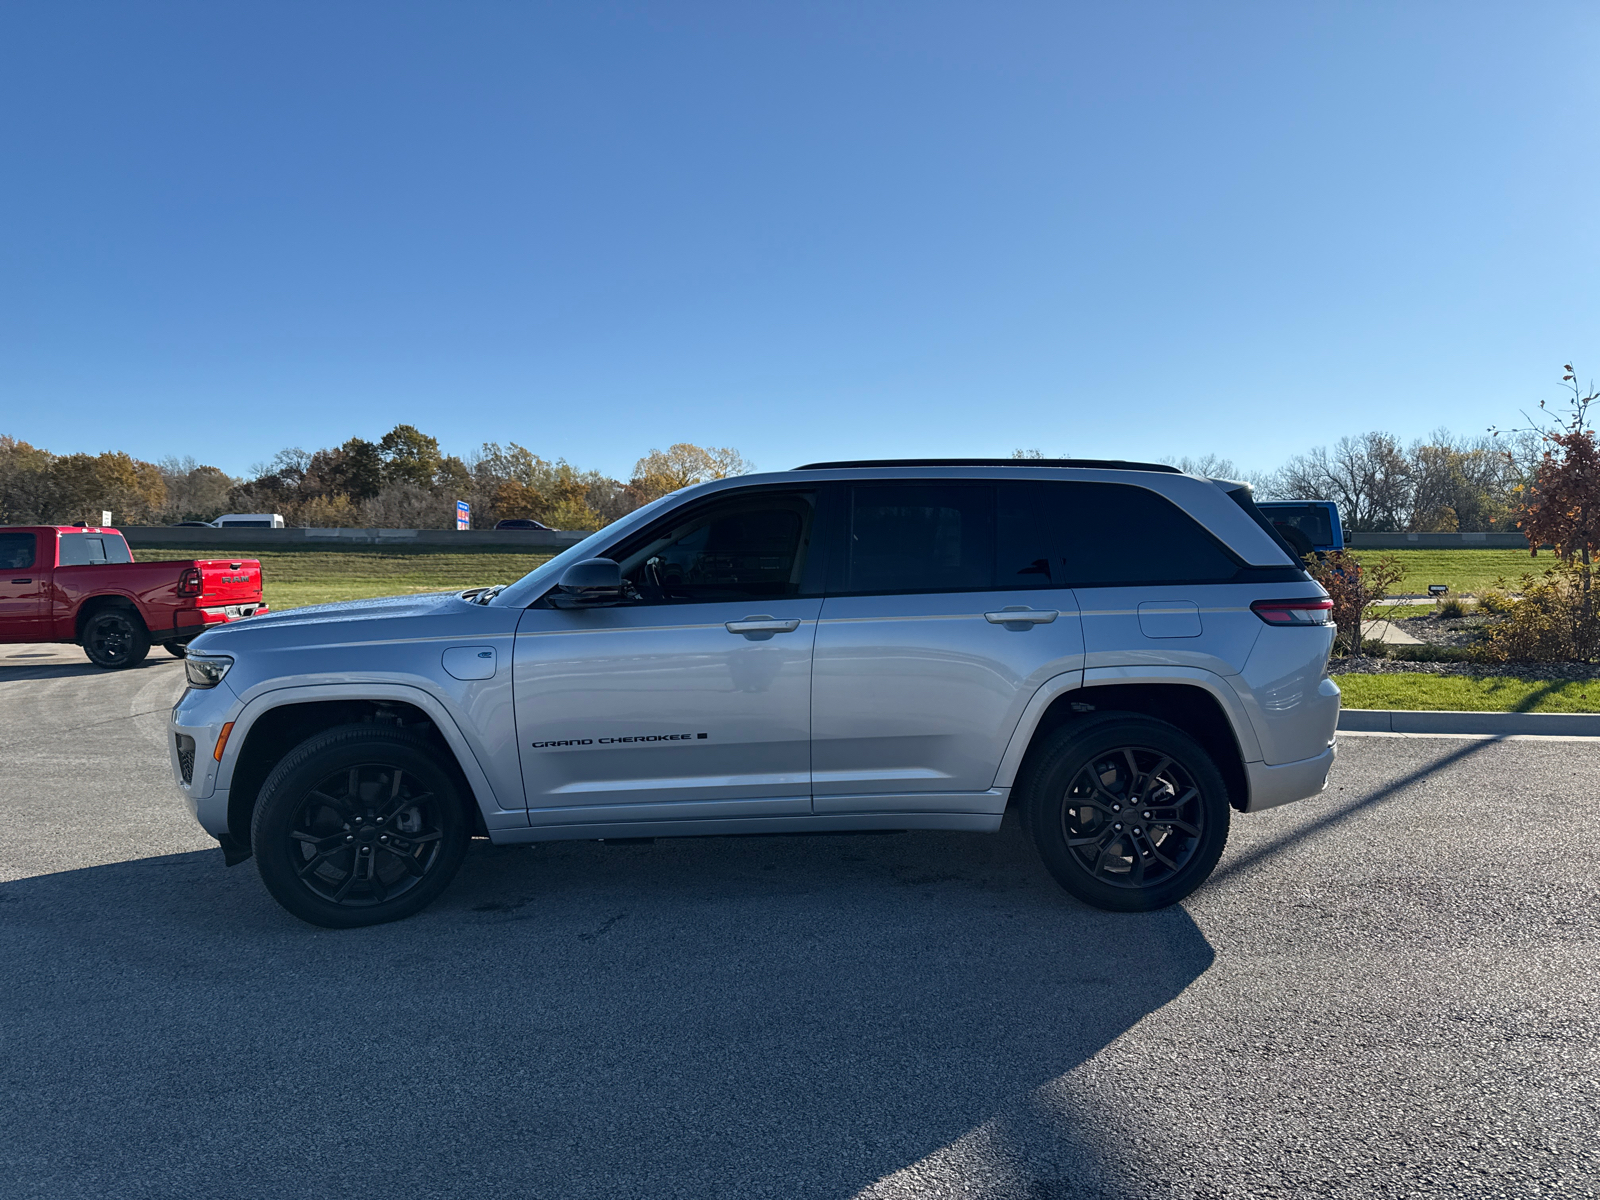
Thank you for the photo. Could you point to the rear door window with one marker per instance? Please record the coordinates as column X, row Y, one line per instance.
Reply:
column 87, row 549
column 918, row 537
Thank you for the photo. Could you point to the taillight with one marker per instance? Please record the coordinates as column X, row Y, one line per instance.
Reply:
column 189, row 583
column 1294, row 612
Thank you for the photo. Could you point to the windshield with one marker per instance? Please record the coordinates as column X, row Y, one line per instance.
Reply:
column 543, row 577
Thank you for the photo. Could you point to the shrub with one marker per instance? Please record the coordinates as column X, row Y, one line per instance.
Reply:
column 1551, row 623
column 1354, row 587
column 1450, row 608
column 1496, row 601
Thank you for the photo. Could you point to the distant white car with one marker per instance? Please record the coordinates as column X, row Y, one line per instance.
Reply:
column 248, row 521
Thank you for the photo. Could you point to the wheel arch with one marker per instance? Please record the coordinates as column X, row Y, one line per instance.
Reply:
column 1193, row 705
column 275, row 723
column 92, row 606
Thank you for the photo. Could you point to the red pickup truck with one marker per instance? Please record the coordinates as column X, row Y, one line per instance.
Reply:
column 67, row 583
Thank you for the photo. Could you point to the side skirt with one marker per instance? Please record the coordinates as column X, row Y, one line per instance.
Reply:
column 722, row 827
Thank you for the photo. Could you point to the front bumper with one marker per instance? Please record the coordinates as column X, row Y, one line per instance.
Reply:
column 1272, row 786
column 200, row 715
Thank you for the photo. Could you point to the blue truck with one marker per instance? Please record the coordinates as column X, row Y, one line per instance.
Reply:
column 1310, row 526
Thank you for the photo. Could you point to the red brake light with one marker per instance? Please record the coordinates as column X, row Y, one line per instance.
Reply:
column 189, row 582
column 1294, row 612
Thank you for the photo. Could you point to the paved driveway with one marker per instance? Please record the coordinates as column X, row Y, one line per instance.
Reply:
column 1389, row 990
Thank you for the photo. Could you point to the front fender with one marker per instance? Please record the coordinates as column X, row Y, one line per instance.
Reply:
column 499, row 810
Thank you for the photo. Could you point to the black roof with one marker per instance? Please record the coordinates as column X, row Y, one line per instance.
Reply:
column 1101, row 464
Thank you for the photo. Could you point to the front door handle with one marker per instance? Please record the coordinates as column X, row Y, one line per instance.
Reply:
column 763, row 624
column 1021, row 617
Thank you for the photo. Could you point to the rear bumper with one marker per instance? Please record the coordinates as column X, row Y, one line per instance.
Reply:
column 192, row 622
column 1272, row 786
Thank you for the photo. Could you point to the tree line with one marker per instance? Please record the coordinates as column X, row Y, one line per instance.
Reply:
column 1438, row 484
column 400, row 481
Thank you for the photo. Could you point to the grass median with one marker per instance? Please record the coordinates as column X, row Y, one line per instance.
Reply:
column 1463, row 571
column 295, row 578
column 1469, row 693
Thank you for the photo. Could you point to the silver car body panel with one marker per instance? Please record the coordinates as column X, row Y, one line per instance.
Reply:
column 642, row 710
column 920, row 694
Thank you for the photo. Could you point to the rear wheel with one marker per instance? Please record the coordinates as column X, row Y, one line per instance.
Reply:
column 1127, row 812
column 114, row 638
column 359, row 825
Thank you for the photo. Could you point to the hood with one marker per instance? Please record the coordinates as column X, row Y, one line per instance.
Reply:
column 331, row 624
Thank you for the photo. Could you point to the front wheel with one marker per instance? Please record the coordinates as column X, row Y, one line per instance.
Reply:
column 114, row 638
column 1127, row 812
column 359, row 825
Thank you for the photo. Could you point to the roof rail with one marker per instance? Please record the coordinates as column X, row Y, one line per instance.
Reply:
column 1100, row 464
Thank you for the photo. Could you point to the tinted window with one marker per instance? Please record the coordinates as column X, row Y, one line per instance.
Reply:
column 1310, row 519
column 919, row 538
column 747, row 548
column 1105, row 534
column 16, row 551
column 84, row 549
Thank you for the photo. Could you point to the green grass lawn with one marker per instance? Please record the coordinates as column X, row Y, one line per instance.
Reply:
column 1466, row 693
column 294, row 578
column 1464, row 570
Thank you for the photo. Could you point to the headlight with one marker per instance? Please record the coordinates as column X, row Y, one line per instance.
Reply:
column 207, row 671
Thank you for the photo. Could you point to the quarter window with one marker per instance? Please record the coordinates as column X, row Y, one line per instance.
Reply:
column 1110, row 534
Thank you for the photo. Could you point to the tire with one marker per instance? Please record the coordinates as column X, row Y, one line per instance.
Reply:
column 342, row 862
column 178, row 649
column 115, row 638
column 1074, row 805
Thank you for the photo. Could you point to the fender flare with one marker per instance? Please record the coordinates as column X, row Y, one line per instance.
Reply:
column 483, row 792
column 1055, row 687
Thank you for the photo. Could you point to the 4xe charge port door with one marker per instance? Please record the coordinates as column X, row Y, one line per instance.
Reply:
column 689, row 698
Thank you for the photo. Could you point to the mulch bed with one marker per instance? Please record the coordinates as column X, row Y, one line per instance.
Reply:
column 1362, row 665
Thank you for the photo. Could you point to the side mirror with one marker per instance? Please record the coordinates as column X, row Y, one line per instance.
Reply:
column 591, row 581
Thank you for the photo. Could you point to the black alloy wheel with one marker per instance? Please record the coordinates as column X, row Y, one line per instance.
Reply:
column 1127, row 812
column 116, row 638
column 178, row 649
column 359, row 825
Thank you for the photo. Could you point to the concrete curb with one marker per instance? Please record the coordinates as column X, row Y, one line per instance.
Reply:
column 1399, row 720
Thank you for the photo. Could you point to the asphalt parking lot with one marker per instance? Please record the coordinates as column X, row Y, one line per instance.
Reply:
column 1391, row 990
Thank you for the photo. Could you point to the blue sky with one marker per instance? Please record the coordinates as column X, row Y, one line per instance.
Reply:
column 806, row 231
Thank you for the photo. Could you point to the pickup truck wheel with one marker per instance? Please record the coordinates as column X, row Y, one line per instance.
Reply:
column 178, row 649
column 115, row 638
column 357, row 826
column 1127, row 812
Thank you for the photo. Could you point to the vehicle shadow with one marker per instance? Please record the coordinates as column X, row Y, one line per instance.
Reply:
column 734, row 1017
column 12, row 670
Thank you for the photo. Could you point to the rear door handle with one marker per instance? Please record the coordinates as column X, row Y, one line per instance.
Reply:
column 763, row 625
column 1021, row 618
column 22, row 581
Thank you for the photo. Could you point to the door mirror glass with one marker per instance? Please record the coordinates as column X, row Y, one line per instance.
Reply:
column 590, row 581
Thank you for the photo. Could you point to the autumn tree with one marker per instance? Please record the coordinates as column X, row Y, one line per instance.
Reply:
column 683, row 464
column 1561, row 505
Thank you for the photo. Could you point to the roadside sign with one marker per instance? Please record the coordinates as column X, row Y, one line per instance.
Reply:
column 105, row 516
column 463, row 515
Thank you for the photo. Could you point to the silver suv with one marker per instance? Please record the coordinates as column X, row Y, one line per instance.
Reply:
column 1123, row 652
